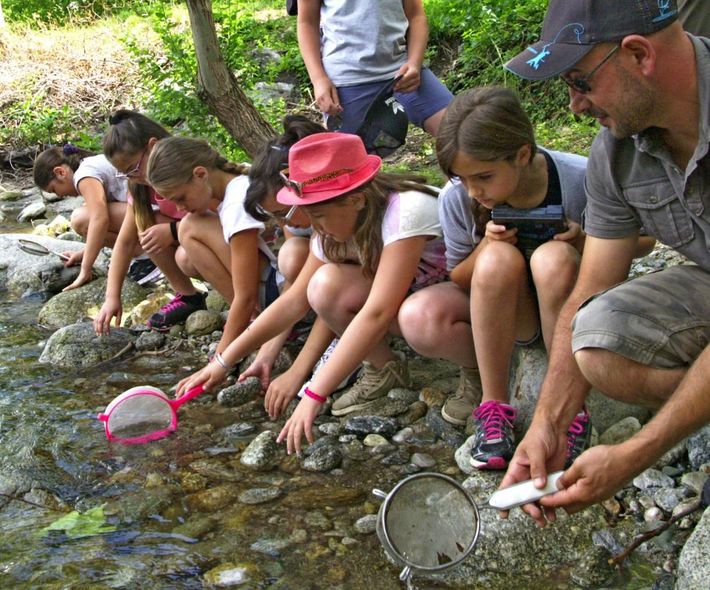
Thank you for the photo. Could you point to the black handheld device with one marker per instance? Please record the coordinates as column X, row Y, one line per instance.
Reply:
column 535, row 226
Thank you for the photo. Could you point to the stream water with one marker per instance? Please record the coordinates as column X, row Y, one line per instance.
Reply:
column 161, row 515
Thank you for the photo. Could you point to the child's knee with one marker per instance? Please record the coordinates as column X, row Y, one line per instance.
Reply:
column 498, row 263
column 80, row 221
column 554, row 263
column 324, row 288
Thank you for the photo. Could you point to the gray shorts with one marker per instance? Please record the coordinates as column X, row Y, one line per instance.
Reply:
column 661, row 320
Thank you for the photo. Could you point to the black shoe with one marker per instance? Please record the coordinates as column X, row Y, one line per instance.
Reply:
column 143, row 270
column 177, row 311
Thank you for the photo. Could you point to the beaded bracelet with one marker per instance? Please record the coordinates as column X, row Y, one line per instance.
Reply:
column 315, row 396
column 221, row 362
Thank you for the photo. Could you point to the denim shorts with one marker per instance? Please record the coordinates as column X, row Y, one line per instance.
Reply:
column 660, row 320
column 425, row 101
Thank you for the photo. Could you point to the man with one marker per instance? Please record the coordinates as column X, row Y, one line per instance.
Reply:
column 630, row 65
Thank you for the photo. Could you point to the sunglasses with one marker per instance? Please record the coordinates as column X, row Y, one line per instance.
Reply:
column 581, row 83
column 297, row 187
column 135, row 171
column 279, row 215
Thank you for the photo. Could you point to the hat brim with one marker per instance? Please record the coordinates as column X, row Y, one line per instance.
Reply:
column 311, row 195
column 544, row 59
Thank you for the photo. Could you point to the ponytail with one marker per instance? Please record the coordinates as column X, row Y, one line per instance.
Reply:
column 45, row 163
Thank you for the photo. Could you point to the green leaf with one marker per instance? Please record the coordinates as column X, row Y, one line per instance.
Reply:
column 81, row 524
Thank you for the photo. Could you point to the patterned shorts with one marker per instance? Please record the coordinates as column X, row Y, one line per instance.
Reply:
column 661, row 320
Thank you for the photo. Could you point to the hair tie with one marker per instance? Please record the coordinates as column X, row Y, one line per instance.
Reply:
column 69, row 149
column 279, row 148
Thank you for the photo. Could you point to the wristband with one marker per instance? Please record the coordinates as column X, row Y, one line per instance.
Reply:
column 173, row 230
column 221, row 362
column 315, row 396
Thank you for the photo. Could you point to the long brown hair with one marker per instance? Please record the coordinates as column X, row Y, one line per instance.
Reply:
column 368, row 233
column 129, row 133
column 173, row 159
column 487, row 123
column 49, row 159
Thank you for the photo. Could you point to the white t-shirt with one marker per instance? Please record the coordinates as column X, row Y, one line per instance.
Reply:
column 101, row 169
column 408, row 214
column 235, row 219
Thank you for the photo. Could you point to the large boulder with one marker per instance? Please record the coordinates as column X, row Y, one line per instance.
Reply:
column 75, row 305
column 527, row 372
column 78, row 346
column 694, row 565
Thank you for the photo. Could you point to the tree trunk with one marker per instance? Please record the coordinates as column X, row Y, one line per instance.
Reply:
column 219, row 88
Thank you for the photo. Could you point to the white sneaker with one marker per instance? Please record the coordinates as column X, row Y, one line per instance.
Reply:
column 324, row 359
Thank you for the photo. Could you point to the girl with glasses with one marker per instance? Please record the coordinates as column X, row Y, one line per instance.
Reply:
column 69, row 171
column 377, row 238
column 150, row 223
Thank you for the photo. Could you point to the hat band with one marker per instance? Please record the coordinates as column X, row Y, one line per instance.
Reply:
column 337, row 179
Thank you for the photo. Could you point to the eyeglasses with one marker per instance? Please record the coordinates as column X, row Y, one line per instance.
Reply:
column 279, row 215
column 297, row 187
column 581, row 83
column 133, row 171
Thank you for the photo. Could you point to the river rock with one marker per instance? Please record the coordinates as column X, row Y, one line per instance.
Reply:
column 328, row 440
column 399, row 457
column 652, row 478
column 240, row 393
column 150, row 340
column 324, row 459
column 75, row 305
column 449, row 433
column 229, row 574
column 78, row 346
column 416, row 410
column 203, row 322
column 382, row 407
column 259, row 495
column 21, row 272
column 366, row 525
column 32, row 211
column 374, row 440
column 694, row 480
column 212, row 499
column 693, row 565
column 621, row 431
column 699, row 447
column 668, row 498
column 364, row 425
column 593, row 569
column 423, row 460
column 331, row 428
column 261, row 452
column 408, row 396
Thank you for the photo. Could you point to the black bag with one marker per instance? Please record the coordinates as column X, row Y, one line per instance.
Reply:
column 384, row 126
column 292, row 7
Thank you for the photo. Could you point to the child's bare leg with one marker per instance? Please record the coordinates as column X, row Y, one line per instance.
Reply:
column 554, row 267
column 502, row 308
column 207, row 255
column 79, row 221
column 436, row 322
column 292, row 257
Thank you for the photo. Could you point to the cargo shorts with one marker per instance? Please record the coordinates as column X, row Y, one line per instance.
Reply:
column 661, row 319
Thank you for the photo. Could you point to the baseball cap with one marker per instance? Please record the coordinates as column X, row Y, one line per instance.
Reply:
column 384, row 126
column 573, row 27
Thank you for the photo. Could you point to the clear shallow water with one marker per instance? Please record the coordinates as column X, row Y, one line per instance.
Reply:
column 159, row 530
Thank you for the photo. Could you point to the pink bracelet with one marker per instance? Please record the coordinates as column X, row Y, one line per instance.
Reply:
column 315, row 396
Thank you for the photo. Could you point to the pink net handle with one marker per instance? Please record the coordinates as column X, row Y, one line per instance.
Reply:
column 186, row 397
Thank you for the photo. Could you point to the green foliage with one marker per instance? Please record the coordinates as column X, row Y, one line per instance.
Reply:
column 63, row 11
column 486, row 35
column 81, row 524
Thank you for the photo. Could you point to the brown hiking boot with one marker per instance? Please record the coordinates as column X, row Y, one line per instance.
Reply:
column 372, row 384
column 465, row 399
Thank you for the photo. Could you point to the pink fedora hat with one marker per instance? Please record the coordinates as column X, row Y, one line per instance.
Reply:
column 323, row 166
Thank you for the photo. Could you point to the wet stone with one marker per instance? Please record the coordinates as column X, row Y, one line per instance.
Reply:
column 347, row 438
column 668, row 498
column 261, row 453
column 320, row 496
column 399, row 457
column 652, row 478
column 421, row 435
column 238, row 430
column 364, row 425
column 653, row 515
column 212, row 499
column 423, row 460
column 415, row 411
column 331, row 428
column 403, row 435
column 240, row 393
column 699, row 447
column 150, row 341
column 197, row 526
column 270, row 547
column 432, row 396
column 315, row 519
column 259, row 495
column 323, row 459
column 355, row 451
column 695, row 480
column 408, row 396
column 322, row 442
column 203, row 323
column 451, row 435
column 366, row 525
column 621, row 431
column 384, row 407
column 383, row 449
column 214, row 469
column 593, row 569
column 373, row 440
column 408, row 469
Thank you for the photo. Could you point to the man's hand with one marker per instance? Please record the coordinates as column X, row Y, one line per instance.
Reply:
column 542, row 451
column 597, row 474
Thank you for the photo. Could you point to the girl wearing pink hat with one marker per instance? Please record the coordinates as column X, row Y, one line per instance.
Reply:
column 377, row 239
